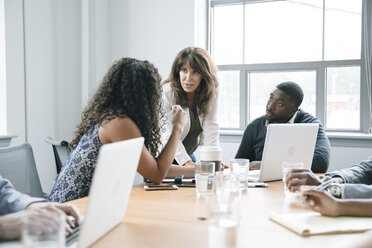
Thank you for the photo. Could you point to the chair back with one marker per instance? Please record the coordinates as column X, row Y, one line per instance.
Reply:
column 60, row 151
column 17, row 164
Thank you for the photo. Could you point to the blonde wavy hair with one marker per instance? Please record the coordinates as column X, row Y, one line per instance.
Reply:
column 200, row 61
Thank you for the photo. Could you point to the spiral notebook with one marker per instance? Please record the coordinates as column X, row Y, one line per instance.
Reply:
column 312, row 223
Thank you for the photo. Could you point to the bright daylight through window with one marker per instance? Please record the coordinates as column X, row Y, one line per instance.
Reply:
column 259, row 44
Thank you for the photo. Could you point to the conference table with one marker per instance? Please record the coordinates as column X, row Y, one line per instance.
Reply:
column 169, row 218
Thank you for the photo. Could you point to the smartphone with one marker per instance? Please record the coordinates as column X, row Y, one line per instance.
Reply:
column 257, row 185
column 161, row 187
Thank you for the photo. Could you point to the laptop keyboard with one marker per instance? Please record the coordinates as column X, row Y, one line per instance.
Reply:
column 70, row 239
column 253, row 175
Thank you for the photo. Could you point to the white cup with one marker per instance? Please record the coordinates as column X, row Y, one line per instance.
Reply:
column 286, row 167
column 211, row 154
column 43, row 231
column 204, row 177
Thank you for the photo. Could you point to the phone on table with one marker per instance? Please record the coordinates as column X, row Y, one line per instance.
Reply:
column 161, row 187
column 258, row 185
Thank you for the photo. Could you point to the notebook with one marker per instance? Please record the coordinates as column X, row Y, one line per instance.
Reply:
column 110, row 190
column 312, row 223
column 285, row 142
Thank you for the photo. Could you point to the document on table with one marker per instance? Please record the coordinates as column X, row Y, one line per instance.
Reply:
column 312, row 223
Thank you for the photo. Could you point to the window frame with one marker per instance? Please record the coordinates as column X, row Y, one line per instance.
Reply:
column 319, row 66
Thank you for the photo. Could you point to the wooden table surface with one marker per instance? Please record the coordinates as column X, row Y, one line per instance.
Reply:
column 170, row 219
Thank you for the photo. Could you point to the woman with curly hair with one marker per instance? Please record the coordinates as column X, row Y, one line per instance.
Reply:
column 126, row 105
column 192, row 84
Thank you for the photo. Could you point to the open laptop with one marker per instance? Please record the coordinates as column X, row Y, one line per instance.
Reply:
column 285, row 142
column 110, row 190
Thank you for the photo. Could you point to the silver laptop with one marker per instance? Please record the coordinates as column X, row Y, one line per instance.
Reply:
column 285, row 142
column 110, row 190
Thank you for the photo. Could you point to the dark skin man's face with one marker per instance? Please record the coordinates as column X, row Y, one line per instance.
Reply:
column 280, row 108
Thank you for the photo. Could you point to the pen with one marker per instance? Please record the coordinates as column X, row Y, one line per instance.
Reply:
column 320, row 187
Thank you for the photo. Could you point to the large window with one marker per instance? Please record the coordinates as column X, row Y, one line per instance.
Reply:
column 316, row 43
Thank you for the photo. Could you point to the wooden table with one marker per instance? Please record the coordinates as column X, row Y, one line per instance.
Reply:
column 169, row 219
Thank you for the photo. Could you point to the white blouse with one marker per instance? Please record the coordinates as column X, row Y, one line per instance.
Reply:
column 210, row 134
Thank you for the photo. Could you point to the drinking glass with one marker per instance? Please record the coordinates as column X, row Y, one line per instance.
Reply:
column 204, row 176
column 241, row 168
column 38, row 231
column 223, row 221
column 286, row 167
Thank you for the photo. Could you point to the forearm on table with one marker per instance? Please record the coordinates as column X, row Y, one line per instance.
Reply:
column 361, row 207
column 10, row 226
column 175, row 170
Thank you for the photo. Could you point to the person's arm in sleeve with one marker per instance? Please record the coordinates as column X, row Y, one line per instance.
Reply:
column 211, row 129
column 181, row 155
column 12, row 200
column 246, row 149
column 359, row 173
column 356, row 191
column 321, row 152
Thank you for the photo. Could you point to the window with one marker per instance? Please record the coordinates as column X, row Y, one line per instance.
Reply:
column 315, row 43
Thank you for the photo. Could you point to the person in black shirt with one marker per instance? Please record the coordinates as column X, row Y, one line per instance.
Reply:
column 283, row 107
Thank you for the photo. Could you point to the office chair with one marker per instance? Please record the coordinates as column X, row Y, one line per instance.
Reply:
column 60, row 150
column 17, row 164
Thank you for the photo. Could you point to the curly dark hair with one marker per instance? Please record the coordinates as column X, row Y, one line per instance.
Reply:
column 131, row 88
column 200, row 61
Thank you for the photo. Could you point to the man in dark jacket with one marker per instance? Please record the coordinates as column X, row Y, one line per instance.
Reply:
column 283, row 107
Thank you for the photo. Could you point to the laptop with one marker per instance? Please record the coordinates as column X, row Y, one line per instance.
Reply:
column 110, row 189
column 285, row 142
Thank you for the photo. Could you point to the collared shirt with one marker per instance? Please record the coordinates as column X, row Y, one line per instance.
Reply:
column 291, row 121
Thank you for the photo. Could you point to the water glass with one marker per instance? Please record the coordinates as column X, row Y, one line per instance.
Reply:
column 204, row 176
column 38, row 231
column 241, row 168
column 222, row 223
column 286, row 167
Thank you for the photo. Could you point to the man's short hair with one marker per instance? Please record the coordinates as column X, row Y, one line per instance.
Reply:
column 293, row 90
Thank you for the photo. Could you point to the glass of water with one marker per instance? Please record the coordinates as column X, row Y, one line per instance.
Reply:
column 240, row 167
column 204, row 176
column 223, row 222
column 286, row 167
column 38, row 231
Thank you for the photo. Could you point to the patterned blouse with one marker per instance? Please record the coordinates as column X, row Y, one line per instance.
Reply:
column 73, row 182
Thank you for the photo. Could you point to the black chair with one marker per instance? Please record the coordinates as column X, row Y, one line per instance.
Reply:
column 60, row 150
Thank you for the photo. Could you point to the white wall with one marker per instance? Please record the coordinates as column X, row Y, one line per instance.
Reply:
column 96, row 38
column 15, row 85
column 43, row 75
column 53, row 62
column 151, row 30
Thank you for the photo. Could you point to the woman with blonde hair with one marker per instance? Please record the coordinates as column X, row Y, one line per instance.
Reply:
column 192, row 84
